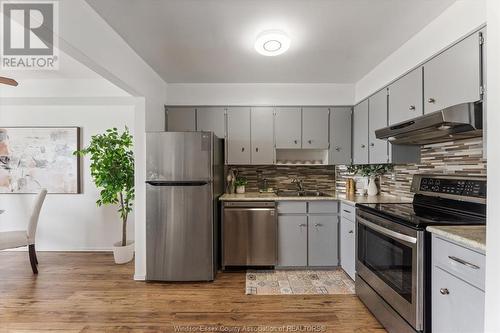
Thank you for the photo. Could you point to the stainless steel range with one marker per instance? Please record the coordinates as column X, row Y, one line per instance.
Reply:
column 393, row 249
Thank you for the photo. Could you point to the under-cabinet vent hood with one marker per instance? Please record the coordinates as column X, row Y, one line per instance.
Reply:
column 454, row 123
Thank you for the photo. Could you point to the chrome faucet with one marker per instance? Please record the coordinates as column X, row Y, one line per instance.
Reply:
column 298, row 183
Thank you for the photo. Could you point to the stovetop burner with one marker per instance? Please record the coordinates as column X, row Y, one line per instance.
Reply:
column 422, row 216
column 438, row 200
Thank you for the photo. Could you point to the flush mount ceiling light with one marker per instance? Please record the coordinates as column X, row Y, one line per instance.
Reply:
column 272, row 43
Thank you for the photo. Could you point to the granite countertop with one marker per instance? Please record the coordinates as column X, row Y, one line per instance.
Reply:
column 352, row 199
column 473, row 237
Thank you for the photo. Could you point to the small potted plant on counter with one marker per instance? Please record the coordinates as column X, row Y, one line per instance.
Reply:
column 240, row 184
column 372, row 171
column 112, row 170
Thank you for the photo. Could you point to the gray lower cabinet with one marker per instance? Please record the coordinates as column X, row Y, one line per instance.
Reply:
column 315, row 124
column 340, row 136
column 292, row 240
column 288, row 128
column 405, row 97
column 211, row 119
column 308, row 233
column 180, row 119
column 262, row 132
column 323, row 238
column 377, row 119
column 454, row 76
column 360, row 133
column 457, row 288
column 347, row 246
column 238, row 143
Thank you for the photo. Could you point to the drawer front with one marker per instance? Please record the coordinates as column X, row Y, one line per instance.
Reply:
column 323, row 207
column 460, row 261
column 348, row 212
column 292, row 207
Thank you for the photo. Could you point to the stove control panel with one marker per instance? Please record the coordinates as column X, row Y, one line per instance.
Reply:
column 462, row 187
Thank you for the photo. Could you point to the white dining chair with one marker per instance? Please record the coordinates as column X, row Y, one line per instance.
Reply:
column 19, row 238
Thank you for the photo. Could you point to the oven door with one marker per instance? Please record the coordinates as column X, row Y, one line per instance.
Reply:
column 390, row 260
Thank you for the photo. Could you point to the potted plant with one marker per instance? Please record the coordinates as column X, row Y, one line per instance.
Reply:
column 372, row 171
column 112, row 170
column 240, row 184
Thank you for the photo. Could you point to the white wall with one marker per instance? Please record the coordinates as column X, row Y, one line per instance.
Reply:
column 458, row 20
column 260, row 94
column 85, row 36
column 493, row 117
column 68, row 221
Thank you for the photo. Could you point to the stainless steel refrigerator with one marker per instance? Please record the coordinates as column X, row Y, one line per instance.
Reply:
column 184, row 180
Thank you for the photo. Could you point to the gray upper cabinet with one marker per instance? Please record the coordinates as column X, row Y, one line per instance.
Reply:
column 340, row 135
column 453, row 77
column 180, row 119
column 211, row 119
column 360, row 133
column 323, row 240
column 405, row 97
column 238, row 135
column 288, row 127
column 262, row 135
column 315, row 121
column 377, row 119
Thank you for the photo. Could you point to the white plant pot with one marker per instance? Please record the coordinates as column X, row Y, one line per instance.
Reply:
column 372, row 187
column 240, row 189
column 123, row 254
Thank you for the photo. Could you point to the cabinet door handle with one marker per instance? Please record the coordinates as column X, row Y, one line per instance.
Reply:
column 412, row 108
column 444, row 291
column 302, row 225
column 372, row 144
column 295, row 141
column 347, row 211
column 463, row 262
column 318, row 225
column 363, row 146
column 257, row 149
column 242, row 149
column 310, row 142
column 337, row 148
column 431, row 100
column 351, row 231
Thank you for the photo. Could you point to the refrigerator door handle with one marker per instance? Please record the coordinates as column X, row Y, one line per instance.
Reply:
column 178, row 182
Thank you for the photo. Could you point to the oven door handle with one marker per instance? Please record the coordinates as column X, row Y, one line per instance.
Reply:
column 387, row 232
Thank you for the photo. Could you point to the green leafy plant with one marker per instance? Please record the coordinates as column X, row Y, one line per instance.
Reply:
column 241, row 181
column 368, row 170
column 112, row 170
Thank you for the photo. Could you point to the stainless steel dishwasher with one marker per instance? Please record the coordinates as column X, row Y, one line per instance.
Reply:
column 249, row 234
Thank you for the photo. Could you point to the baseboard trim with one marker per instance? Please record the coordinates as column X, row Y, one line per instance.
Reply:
column 139, row 277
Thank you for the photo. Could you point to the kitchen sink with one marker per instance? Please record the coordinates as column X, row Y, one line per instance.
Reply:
column 302, row 194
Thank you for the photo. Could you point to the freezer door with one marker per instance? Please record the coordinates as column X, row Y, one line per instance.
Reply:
column 179, row 230
column 179, row 156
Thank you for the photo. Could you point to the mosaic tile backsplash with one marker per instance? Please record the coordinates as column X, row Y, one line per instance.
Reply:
column 320, row 178
column 463, row 157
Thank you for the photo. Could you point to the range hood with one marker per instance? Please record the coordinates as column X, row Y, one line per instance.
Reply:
column 454, row 123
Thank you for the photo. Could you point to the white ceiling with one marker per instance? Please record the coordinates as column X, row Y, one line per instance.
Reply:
column 211, row 41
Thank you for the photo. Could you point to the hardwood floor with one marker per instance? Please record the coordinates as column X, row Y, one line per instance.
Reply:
column 86, row 292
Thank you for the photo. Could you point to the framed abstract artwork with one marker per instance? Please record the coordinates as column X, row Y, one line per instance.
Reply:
column 39, row 157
